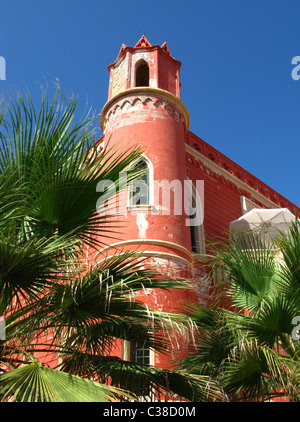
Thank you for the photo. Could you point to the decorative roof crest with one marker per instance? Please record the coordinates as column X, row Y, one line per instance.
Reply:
column 143, row 42
column 165, row 48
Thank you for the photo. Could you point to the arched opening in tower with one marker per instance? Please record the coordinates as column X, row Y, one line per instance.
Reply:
column 142, row 74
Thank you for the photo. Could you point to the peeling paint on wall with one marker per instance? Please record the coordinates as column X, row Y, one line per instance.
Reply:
column 142, row 223
column 119, row 78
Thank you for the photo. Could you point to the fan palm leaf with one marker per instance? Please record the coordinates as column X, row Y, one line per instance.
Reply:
column 34, row 382
column 58, row 164
column 245, row 335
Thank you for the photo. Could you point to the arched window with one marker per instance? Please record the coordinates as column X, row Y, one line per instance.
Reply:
column 140, row 192
column 196, row 221
column 142, row 74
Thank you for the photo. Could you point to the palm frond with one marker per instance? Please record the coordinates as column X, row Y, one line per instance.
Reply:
column 58, row 164
column 93, row 308
column 258, row 372
column 25, row 267
column 34, row 382
column 145, row 381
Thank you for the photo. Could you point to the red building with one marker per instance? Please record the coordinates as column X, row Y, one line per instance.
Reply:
column 191, row 192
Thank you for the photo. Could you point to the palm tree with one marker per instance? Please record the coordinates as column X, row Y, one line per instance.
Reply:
column 248, row 339
column 55, row 301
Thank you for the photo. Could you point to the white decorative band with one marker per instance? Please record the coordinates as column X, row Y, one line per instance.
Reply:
column 143, row 242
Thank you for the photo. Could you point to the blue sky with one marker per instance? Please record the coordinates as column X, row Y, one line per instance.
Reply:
column 236, row 66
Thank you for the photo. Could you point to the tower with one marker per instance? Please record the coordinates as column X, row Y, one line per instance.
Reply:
column 144, row 108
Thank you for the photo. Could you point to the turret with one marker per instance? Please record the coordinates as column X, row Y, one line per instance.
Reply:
column 144, row 108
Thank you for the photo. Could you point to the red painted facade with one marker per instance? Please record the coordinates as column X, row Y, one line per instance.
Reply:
column 144, row 108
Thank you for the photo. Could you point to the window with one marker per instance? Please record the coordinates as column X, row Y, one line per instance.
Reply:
column 139, row 354
column 193, row 239
column 196, row 221
column 141, row 188
column 142, row 74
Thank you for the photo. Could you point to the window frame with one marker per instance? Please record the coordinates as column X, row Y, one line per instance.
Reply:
column 127, row 353
column 150, row 203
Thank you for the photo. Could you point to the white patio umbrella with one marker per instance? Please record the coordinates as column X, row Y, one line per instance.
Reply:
column 266, row 223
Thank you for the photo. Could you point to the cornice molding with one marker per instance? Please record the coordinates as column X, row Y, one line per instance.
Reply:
column 220, row 170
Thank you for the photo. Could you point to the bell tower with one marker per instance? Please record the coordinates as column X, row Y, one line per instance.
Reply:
column 144, row 65
column 144, row 108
